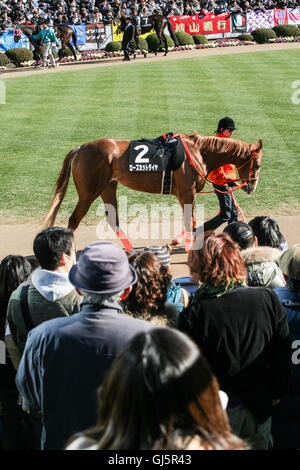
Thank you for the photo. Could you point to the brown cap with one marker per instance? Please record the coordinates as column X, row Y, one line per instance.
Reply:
column 289, row 262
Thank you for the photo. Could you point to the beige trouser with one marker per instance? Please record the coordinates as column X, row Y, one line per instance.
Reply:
column 48, row 52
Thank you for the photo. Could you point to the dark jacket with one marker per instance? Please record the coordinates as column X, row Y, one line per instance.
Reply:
column 65, row 361
column 128, row 34
column 245, row 338
column 286, row 415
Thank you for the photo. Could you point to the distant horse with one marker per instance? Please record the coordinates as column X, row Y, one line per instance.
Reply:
column 63, row 32
column 100, row 165
column 158, row 23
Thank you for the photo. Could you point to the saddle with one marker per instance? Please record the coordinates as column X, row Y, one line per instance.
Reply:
column 164, row 154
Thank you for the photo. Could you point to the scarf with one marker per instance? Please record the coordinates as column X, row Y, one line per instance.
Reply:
column 207, row 290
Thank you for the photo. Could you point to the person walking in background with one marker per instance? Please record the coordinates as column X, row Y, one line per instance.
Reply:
column 222, row 178
column 47, row 37
column 128, row 36
column 161, row 394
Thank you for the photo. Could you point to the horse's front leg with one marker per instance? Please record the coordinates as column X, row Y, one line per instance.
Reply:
column 187, row 202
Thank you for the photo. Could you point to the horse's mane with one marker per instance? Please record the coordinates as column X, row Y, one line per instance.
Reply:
column 209, row 144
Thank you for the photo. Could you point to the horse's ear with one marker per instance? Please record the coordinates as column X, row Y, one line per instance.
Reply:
column 259, row 146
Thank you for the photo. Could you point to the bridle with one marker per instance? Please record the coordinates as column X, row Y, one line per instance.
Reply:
column 244, row 181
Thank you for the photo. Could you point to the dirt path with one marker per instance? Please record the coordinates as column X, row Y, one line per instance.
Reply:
column 17, row 239
column 151, row 57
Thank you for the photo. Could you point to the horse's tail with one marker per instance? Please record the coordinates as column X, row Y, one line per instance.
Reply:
column 172, row 34
column 61, row 188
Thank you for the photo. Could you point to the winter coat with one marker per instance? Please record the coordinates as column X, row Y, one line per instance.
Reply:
column 244, row 336
column 286, row 415
column 50, row 295
column 65, row 361
column 262, row 267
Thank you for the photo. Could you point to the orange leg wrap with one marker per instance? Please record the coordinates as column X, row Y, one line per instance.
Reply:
column 188, row 241
column 124, row 240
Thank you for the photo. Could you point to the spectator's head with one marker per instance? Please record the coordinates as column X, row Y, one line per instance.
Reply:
column 161, row 252
column 289, row 263
column 218, row 261
column 158, row 394
column 103, row 272
column 267, row 232
column 13, row 271
column 149, row 294
column 242, row 234
column 226, row 126
column 54, row 248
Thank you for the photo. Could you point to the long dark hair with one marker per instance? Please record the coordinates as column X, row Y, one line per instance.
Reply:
column 159, row 394
column 149, row 294
column 13, row 271
column 267, row 231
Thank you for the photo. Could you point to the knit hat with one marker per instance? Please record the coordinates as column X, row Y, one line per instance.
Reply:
column 161, row 252
column 289, row 262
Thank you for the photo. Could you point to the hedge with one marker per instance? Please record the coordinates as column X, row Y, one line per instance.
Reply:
column 200, row 39
column 184, row 39
column 153, row 41
column 19, row 55
column 113, row 46
column 143, row 44
column 245, row 37
column 262, row 35
column 3, row 59
column 286, row 30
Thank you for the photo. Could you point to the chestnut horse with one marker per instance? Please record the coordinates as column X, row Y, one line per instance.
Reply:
column 100, row 165
column 63, row 32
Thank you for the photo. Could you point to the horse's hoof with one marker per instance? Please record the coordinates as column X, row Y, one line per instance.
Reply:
column 170, row 248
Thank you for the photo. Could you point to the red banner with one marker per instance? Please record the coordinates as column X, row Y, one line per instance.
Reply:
column 210, row 24
column 280, row 16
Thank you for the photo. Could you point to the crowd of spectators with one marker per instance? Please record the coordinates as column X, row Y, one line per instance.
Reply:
column 89, row 11
column 101, row 333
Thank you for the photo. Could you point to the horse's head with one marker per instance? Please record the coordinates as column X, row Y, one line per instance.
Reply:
column 250, row 170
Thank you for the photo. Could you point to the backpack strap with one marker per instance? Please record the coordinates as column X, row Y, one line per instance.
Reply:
column 25, row 309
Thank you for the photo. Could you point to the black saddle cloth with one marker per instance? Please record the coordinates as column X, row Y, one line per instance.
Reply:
column 165, row 153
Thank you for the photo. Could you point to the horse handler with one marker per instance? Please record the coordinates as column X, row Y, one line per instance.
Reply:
column 127, row 38
column 222, row 178
column 47, row 37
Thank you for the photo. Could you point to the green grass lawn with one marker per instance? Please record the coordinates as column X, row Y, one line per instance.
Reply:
column 46, row 115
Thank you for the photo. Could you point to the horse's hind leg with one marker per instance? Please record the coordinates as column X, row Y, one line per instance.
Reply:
column 72, row 50
column 80, row 211
column 109, row 197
